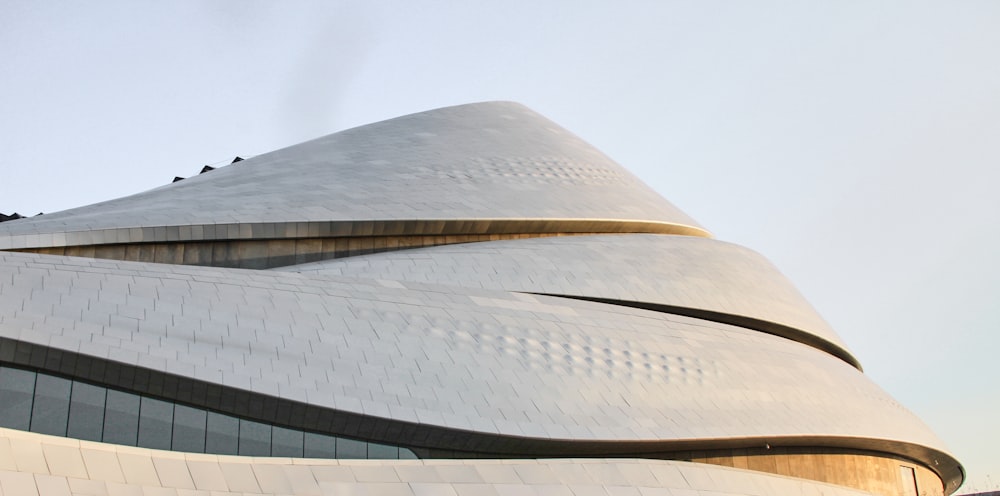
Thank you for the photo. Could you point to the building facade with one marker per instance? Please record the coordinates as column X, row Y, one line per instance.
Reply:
column 469, row 300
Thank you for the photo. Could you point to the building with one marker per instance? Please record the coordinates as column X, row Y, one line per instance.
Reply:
column 469, row 300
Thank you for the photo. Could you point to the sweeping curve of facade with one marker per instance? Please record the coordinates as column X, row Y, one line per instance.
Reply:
column 473, row 287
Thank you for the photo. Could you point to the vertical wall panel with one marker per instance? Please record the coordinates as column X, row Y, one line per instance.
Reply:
column 222, row 434
column 189, row 429
column 86, row 411
column 255, row 438
column 17, row 389
column 50, row 410
column 121, row 419
column 155, row 423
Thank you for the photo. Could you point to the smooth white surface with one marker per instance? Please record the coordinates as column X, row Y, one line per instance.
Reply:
column 681, row 271
column 35, row 464
column 852, row 144
column 470, row 359
column 490, row 160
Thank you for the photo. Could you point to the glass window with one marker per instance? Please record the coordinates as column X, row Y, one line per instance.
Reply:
column 286, row 442
column 156, row 419
column 86, row 411
column 121, row 418
column 255, row 438
column 222, row 434
column 189, row 429
column 320, row 446
column 382, row 452
column 51, row 405
column 17, row 388
column 349, row 448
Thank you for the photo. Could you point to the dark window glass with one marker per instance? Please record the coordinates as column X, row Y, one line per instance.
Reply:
column 189, row 429
column 382, row 452
column 349, row 448
column 222, row 435
column 255, row 438
column 51, row 406
column 286, row 442
column 17, row 388
column 320, row 446
column 121, row 418
column 86, row 411
column 155, row 421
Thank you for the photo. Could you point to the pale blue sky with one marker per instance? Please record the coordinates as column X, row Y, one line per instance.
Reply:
column 854, row 143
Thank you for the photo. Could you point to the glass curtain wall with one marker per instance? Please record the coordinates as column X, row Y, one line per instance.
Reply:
column 47, row 404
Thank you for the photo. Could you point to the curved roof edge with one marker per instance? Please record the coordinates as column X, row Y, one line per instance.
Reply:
column 406, row 433
column 684, row 275
column 363, row 476
column 342, row 228
column 743, row 321
column 474, row 161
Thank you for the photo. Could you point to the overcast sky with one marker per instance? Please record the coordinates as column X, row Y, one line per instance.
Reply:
column 854, row 143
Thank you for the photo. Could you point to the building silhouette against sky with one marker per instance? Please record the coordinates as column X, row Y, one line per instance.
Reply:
column 459, row 301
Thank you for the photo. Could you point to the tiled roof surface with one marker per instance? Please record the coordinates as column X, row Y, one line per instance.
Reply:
column 485, row 161
column 648, row 336
column 675, row 271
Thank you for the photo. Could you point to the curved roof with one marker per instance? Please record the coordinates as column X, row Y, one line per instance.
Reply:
column 626, row 344
column 478, row 162
column 52, row 465
column 475, row 360
column 680, row 274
